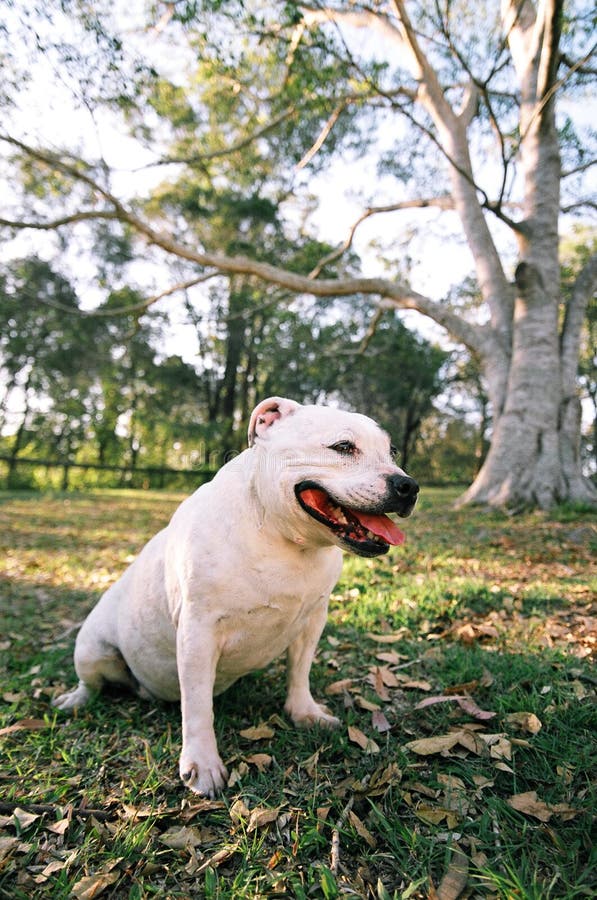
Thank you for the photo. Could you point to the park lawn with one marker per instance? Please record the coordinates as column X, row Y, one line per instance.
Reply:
column 459, row 665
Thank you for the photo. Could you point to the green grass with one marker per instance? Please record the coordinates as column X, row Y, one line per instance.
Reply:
column 491, row 607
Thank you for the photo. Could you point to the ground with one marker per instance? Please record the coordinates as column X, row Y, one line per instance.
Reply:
column 459, row 665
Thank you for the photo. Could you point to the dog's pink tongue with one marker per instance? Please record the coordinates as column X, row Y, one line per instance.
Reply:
column 380, row 525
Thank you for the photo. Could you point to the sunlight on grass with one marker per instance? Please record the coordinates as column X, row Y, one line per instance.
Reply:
column 475, row 635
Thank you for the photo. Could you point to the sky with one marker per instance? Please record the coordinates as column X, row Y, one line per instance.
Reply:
column 47, row 112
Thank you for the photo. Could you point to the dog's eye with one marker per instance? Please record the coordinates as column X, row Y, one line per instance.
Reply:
column 393, row 451
column 347, row 448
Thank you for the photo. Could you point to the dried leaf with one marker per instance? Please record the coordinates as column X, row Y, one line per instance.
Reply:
column 365, row 743
column 441, row 743
column 390, row 656
column 6, row 845
column 526, row 721
column 417, row 685
column 338, row 687
column 455, row 878
column 217, row 859
column 433, row 815
column 529, row 804
column 431, row 701
column 180, row 838
column 387, row 638
column 24, row 818
column 361, row 829
column 375, row 678
column 261, row 816
column 379, row 722
column 469, row 706
column 367, row 704
column 261, row 760
column 239, row 811
column 59, row 827
column 93, row 885
column 259, row 732
column 310, row 764
column 25, row 725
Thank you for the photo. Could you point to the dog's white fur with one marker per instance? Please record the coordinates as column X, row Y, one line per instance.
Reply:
column 241, row 574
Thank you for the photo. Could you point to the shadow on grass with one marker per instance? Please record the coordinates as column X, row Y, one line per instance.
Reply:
column 428, row 623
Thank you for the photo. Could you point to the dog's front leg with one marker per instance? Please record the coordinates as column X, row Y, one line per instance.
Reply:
column 201, row 768
column 300, row 705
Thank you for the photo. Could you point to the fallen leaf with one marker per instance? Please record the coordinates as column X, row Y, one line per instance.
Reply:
column 365, row 743
column 431, row 701
column 361, row 829
column 92, row 886
column 310, row 764
column 464, row 701
column 24, row 818
column 261, row 816
column 526, row 721
column 438, row 744
column 375, row 678
column 59, row 827
column 25, row 725
column 469, row 706
column 217, row 859
column 387, row 638
column 338, row 687
column 239, row 811
column 416, row 685
column 390, row 656
column 261, row 760
column 6, row 845
column 529, row 804
column 455, row 878
column 379, row 721
column 258, row 732
column 180, row 838
column 367, row 704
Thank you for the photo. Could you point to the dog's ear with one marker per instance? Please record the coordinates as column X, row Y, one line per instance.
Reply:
column 267, row 412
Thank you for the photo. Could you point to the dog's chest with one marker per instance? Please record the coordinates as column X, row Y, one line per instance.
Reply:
column 254, row 634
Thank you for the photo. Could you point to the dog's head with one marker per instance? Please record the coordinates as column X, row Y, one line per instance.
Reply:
column 335, row 475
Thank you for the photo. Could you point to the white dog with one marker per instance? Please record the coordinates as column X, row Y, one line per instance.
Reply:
column 243, row 573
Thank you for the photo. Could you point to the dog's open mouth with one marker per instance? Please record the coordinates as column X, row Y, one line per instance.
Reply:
column 366, row 533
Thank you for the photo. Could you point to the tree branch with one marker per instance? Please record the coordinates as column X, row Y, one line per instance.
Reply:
column 52, row 224
column 437, row 202
column 134, row 307
column 400, row 295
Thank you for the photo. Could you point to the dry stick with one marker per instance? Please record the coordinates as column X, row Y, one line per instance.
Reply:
column 41, row 808
column 335, row 852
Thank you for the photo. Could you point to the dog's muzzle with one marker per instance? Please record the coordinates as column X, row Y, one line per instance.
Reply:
column 365, row 530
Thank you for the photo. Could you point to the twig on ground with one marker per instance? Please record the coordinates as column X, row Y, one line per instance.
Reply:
column 335, row 851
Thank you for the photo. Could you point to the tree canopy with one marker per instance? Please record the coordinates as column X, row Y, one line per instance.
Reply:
column 235, row 113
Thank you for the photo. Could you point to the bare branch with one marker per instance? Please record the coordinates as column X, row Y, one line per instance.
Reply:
column 197, row 158
column 322, row 137
column 52, row 224
column 438, row 202
column 399, row 294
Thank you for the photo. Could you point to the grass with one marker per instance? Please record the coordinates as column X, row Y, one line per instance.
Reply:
column 477, row 605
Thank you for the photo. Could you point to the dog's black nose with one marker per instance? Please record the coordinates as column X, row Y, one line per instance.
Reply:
column 404, row 487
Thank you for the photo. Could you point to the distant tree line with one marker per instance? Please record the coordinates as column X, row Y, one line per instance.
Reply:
column 100, row 389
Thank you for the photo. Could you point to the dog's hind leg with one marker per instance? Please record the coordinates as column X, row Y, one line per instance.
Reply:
column 96, row 662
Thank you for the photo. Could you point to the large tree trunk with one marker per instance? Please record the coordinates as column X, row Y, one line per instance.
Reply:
column 534, row 457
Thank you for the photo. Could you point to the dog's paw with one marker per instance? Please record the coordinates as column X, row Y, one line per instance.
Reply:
column 72, row 699
column 312, row 714
column 207, row 779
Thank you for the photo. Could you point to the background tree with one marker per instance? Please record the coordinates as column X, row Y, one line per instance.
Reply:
column 471, row 94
